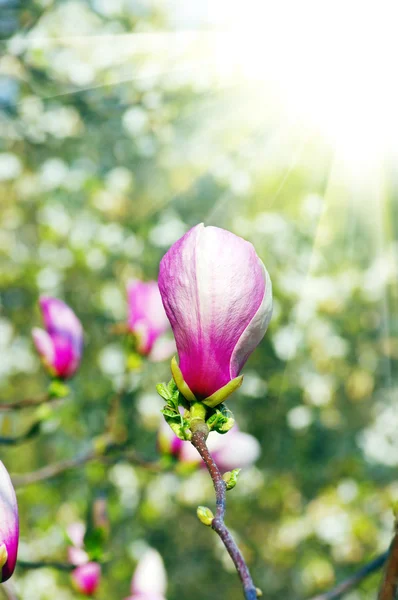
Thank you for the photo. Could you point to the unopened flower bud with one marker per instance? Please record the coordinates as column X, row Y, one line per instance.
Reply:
column 61, row 344
column 205, row 515
column 86, row 578
column 217, row 295
column 9, row 526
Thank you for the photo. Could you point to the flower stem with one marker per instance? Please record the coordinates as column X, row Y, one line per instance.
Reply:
column 199, row 442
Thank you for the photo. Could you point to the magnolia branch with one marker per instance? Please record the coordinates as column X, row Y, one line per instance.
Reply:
column 26, row 402
column 351, row 582
column 199, row 442
column 43, row 564
column 96, row 453
column 33, row 430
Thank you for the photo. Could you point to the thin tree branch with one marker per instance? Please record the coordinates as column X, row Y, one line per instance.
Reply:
column 351, row 582
column 102, row 454
column 43, row 564
column 26, row 402
column 389, row 585
column 199, row 442
column 23, row 437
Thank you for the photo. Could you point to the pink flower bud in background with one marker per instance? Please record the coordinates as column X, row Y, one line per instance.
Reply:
column 218, row 297
column 76, row 554
column 168, row 442
column 61, row 344
column 86, row 578
column 9, row 526
column 146, row 319
column 149, row 580
column 231, row 450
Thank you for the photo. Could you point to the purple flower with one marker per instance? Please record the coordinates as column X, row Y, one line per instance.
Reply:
column 149, row 579
column 9, row 526
column 61, row 345
column 146, row 319
column 86, row 578
column 218, row 297
column 231, row 450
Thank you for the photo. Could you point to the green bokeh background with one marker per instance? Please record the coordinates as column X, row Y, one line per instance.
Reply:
column 112, row 146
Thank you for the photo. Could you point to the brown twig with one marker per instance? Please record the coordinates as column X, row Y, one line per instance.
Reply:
column 351, row 582
column 389, row 585
column 43, row 564
column 22, row 437
column 26, row 402
column 54, row 469
column 199, row 442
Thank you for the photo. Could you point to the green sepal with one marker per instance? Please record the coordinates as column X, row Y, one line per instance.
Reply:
column 222, row 419
column 224, row 392
column 231, row 478
column 57, row 389
column 180, row 382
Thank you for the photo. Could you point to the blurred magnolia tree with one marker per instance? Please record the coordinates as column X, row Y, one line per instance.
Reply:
column 121, row 128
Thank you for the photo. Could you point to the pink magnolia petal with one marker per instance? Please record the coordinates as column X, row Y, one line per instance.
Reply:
column 147, row 318
column 77, row 556
column 168, row 442
column 86, row 578
column 162, row 349
column 60, row 319
column 212, row 285
column 76, row 532
column 9, row 523
column 44, row 345
column 66, row 361
column 188, row 454
column 66, row 334
column 150, row 576
column 237, row 450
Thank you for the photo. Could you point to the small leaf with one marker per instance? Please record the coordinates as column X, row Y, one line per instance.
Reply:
column 179, row 426
column 222, row 419
column 231, row 478
column 168, row 412
column 163, row 391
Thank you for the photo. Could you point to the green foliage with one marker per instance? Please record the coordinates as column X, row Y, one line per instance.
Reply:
column 231, row 478
column 178, row 422
column 221, row 419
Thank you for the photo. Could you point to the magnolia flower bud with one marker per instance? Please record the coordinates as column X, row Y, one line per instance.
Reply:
column 86, row 578
column 218, row 297
column 205, row 515
column 61, row 345
column 147, row 319
column 9, row 526
column 149, row 579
